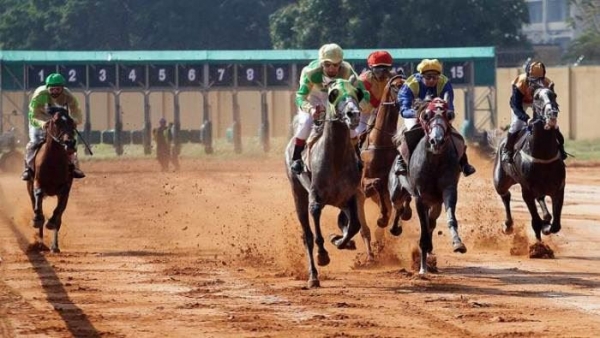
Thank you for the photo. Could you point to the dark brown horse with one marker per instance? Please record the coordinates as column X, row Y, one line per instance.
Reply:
column 433, row 175
column 379, row 151
column 537, row 167
column 52, row 174
column 332, row 178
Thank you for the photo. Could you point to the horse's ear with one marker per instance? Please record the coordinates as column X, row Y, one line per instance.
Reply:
column 353, row 80
column 359, row 94
column 333, row 95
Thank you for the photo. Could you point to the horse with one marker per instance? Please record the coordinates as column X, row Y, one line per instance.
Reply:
column 537, row 166
column 432, row 179
column 379, row 151
column 52, row 172
column 332, row 176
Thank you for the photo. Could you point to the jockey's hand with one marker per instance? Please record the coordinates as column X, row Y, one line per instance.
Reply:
column 450, row 115
column 529, row 121
column 317, row 111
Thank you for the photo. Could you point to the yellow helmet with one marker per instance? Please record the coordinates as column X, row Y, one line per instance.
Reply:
column 331, row 52
column 536, row 69
column 428, row 65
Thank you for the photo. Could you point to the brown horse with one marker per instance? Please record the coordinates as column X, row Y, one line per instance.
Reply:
column 52, row 172
column 379, row 151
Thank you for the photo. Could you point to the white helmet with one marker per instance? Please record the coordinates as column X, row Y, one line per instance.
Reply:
column 331, row 52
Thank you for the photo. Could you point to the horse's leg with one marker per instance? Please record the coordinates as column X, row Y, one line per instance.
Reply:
column 38, row 211
column 536, row 222
column 557, row 204
column 502, row 183
column 354, row 225
column 315, row 208
column 365, row 231
column 56, row 220
column 406, row 210
column 546, row 214
column 425, row 242
column 301, row 202
column 450, row 196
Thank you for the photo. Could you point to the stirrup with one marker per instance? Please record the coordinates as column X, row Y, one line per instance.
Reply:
column 297, row 167
column 507, row 156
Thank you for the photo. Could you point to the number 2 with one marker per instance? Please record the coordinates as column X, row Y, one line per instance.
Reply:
column 72, row 75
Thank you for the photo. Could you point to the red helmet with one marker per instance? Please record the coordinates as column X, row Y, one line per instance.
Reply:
column 437, row 105
column 379, row 58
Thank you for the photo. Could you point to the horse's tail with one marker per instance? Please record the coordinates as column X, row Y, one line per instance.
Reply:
column 494, row 139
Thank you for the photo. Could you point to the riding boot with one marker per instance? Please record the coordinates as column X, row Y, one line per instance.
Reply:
column 400, row 167
column 561, row 144
column 467, row 168
column 509, row 147
column 30, row 150
column 77, row 173
column 297, row 165
column 359, row 162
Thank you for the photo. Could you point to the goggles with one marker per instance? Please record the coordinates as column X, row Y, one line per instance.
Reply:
column 328, row 64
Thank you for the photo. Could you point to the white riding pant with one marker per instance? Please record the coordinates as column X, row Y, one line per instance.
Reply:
column 305, row 123
column 364, row 122
column 517, row 124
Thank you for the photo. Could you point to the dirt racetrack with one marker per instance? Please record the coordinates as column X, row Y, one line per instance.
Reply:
column 215, row 251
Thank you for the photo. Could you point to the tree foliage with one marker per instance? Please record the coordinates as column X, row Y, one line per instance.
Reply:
column 405, row 24
column 587, row 20
column 257, row 24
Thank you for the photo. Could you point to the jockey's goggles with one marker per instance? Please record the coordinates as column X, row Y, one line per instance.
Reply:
column 380, row 70
column 431, row 76
column 328, row 64
column 55, row 90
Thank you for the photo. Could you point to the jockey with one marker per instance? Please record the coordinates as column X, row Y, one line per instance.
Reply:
column 311, row 97
column 522, row 98
column 375, row 79
column 52, row 93
column 428, row 82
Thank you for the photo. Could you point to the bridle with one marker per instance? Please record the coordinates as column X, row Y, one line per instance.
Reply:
column 545, row 107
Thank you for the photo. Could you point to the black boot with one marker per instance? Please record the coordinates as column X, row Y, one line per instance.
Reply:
column 297, row 164
column 467, row 168
column 561, row 144
column 27, row 174
column 359, row 163
column 400, row 167
column 509, row 147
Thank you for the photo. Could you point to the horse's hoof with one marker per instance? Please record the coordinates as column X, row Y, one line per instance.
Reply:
column 55, row 250
column 382, row 222
column 396, row 231
column 351, row 245
column 555, row 229
column 50, row 226
column 547, row 229
column 548, row 218
column 37, row 223
column 459, row 247
column 406, row 214
column 314, row 283
column 507, row 229
column 323, row 259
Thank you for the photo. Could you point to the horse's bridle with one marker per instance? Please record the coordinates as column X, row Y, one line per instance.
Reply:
column 547, row 109
column 436, row 119
column 58, row 138
column 339, row 110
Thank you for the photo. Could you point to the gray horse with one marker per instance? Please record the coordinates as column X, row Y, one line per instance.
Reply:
column 433, row 175
column 332, row 176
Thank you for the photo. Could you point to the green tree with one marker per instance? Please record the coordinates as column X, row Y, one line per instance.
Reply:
column 587, row 20
column 406, row 24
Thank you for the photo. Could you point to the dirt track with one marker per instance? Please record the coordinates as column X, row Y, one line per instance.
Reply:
column 215, row 251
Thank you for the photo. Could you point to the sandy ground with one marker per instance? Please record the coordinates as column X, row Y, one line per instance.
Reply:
column 215, row 251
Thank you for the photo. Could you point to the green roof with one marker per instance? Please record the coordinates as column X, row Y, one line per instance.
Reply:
column 257, row 56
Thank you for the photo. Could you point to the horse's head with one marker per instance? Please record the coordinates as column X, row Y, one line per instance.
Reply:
column 343, row 99
column 61, row 128
column 435, row 123
column 545, row 107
